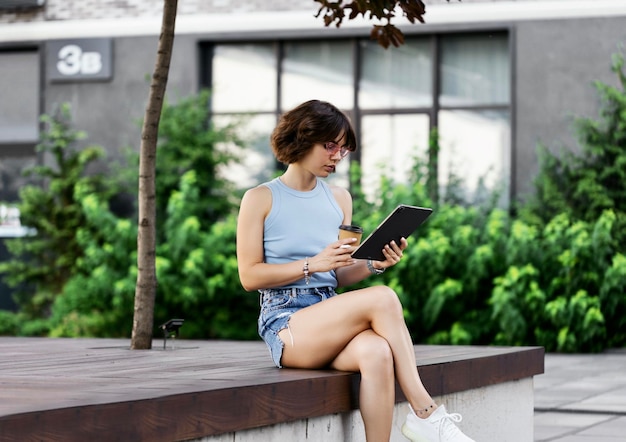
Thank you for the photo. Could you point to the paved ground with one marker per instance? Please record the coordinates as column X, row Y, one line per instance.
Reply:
column 581, row 398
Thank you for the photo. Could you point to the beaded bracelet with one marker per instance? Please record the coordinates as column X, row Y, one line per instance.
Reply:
column 305, row 270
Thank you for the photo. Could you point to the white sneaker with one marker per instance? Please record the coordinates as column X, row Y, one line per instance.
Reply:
column 438, row 427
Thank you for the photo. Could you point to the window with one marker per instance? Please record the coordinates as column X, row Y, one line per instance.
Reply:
column 389, row 145
column 256, row 164
column 474, row 70
column 458, row 82
column 234, row 88
column 396, row 78
column 475, row 146
column 19, row 118
column 317, row 70
column 19, row 89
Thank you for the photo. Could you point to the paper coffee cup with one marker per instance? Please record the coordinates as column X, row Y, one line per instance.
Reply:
column 348, row 231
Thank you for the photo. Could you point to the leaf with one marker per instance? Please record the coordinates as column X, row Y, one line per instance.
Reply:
column 387, row 34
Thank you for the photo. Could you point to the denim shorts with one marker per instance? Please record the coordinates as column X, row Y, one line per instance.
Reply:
column 277, row 306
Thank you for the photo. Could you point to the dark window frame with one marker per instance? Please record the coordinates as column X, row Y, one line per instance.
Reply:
column 435, row 35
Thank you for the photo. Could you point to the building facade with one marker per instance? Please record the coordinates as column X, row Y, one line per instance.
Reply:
column 495, row 77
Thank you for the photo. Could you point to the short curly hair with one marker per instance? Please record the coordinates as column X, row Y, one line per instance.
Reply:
column 312, row 122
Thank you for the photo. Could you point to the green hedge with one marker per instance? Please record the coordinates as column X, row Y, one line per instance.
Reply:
column 468, row 277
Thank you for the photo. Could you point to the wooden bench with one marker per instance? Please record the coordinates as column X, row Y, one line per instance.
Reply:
column 99, row 390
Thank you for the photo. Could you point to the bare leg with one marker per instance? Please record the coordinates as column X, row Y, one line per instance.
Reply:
column 370, row 354
column 322, row 331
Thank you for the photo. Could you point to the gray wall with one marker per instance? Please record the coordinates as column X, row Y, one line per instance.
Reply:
column 556, row 64
column 111, row 112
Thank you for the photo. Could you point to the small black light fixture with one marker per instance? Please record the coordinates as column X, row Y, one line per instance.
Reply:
column 170, row 329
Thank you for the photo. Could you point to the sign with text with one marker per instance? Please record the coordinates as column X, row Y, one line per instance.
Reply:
column 80, row 59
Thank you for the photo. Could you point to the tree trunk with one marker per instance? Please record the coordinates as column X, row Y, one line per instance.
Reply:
column 145, row 291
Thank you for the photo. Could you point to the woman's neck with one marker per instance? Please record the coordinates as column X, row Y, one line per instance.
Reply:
column 298, row 179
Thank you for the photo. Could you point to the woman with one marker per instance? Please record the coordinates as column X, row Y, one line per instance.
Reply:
column 287, row 249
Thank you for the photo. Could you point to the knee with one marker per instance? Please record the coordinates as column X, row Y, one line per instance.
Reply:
column 376, row 358
column 385, row 299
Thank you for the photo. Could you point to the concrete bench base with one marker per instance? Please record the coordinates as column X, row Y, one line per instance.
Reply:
column 502, row 412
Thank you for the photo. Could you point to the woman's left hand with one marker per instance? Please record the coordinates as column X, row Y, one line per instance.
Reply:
column 392, row 253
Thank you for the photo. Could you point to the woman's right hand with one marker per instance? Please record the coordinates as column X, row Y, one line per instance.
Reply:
column 334, row 256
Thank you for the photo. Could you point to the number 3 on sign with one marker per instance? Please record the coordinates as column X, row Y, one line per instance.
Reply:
column 72, row 61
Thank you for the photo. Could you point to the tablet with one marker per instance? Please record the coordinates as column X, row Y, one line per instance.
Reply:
column 400, row 223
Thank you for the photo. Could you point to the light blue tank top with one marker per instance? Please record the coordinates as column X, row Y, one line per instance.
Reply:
column 301, row 224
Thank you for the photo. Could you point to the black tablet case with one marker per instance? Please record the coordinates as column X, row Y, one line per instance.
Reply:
column 400, row 223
